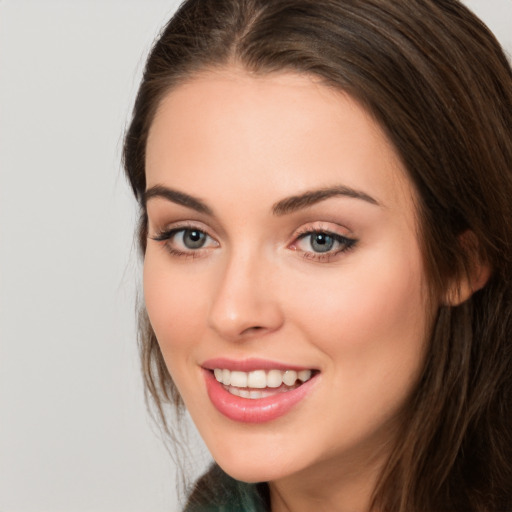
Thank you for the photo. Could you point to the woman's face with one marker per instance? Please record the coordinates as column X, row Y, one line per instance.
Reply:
column 283, row 246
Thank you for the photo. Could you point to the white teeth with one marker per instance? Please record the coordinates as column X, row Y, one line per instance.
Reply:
column 238, row 379
column 244, row 393
column 259, row 379
column 304, row 375
column 254, row 394
column 289, row 377
column 234, row 391
column 274, row 378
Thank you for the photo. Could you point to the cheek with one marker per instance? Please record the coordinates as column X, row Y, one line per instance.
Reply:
column 367, row 314
column 173, row 304
column 371, row 325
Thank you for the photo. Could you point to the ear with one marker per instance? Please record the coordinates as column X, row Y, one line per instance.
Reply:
column 476, row 274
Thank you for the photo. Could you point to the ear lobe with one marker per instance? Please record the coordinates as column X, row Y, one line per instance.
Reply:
column 476, row 275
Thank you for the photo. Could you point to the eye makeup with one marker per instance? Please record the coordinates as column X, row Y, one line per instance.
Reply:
column 314, row 243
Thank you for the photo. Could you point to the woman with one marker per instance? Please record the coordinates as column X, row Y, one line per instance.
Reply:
column 326, row 226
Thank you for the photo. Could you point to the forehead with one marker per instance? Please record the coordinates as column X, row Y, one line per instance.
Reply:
column 282, row 131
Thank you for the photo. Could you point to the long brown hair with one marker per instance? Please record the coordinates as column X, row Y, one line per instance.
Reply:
column 439, row 84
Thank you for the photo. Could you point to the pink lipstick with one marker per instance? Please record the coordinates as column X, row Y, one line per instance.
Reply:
column 256, row 391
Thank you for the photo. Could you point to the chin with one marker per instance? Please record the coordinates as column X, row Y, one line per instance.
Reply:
column 258, row 465
column 253, row 472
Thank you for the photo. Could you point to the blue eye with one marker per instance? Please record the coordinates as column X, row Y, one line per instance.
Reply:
column 323, row 243
column 185, row 241
column 193, row 238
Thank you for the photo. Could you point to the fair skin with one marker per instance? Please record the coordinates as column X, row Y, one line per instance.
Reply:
column 335, row 284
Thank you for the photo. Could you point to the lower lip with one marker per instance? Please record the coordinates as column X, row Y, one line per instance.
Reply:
column 259, row 410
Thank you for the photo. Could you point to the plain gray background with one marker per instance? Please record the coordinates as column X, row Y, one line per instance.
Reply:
column 74, row 433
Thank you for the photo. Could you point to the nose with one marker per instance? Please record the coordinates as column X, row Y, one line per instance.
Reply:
column 245, row 303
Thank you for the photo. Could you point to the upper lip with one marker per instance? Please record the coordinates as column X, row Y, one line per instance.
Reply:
column 249, row 365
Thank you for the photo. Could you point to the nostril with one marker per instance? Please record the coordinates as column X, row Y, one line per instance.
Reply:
column 253, row 329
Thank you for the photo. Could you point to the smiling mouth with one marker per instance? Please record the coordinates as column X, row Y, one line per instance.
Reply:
column 259, row 384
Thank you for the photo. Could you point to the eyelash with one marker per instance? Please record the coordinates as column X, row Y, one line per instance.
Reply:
column 167, row 236
column 345, row 243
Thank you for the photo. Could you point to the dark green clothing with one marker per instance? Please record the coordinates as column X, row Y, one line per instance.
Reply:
column 218, row 492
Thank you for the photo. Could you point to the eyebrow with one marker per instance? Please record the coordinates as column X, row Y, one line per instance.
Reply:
column 282, row 207
column 309, row 198
column 177, row 197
